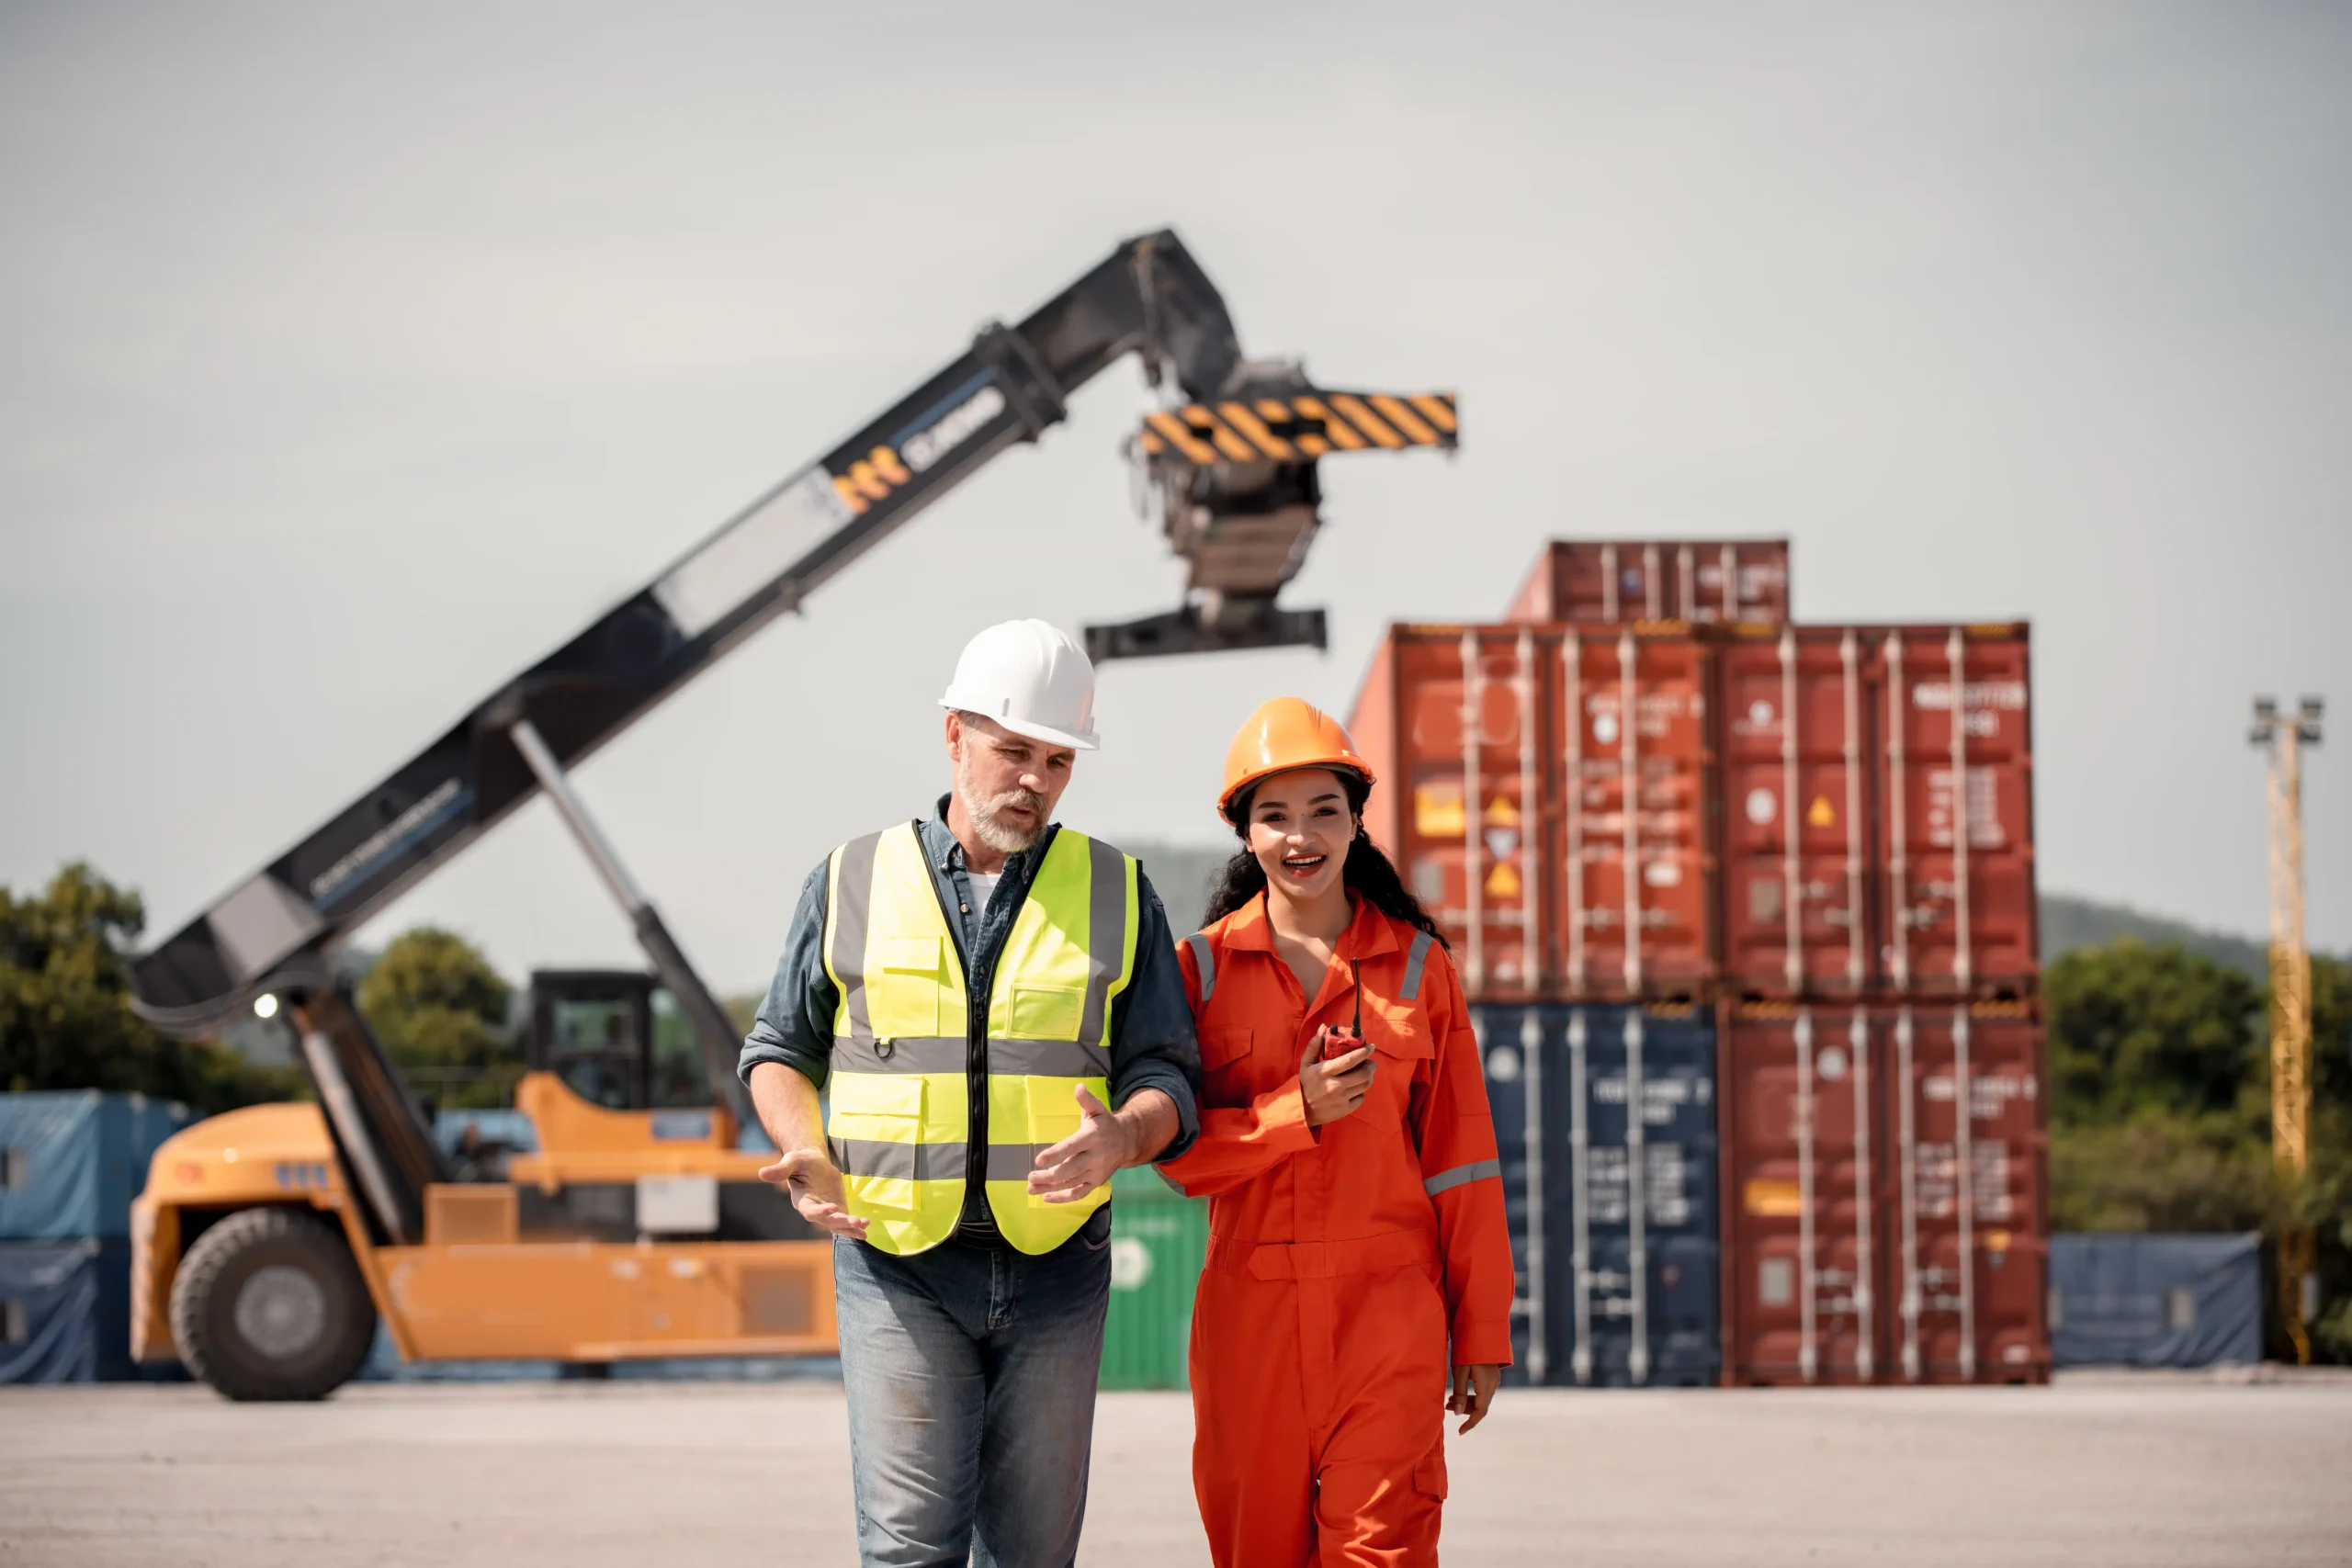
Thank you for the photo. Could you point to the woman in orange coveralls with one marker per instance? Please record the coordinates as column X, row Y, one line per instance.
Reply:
column 1356, row 1214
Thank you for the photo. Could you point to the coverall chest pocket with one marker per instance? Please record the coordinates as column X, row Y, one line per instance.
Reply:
column 1400, row 1046
column 1225, row 1066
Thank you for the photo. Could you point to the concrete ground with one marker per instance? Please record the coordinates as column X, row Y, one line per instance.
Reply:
column 2138, row 1472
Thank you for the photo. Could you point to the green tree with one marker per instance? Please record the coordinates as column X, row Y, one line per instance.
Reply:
column 2135, row 1028
column 440, row 1010
column 65, row 1017
column 2160, row 1112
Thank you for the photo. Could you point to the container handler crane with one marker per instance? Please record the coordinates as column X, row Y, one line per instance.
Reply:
column 269, row 1241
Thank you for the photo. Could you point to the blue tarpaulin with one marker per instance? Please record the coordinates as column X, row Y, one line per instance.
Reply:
column 71, row 1162
column 2155, row 1301
column 64, row 1311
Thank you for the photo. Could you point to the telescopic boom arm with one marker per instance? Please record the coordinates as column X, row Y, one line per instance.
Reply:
column 1149, row 297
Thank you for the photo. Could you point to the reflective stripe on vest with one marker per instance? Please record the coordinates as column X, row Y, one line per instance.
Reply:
column 899, row 1117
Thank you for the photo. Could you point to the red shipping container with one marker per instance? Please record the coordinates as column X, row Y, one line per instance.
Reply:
column 1452, row 720
column 1543, row 889
column 1845, row 872
column 1656, row 580
column 1871, row 1233
column 1632, row 900
column 1956, row 811
column 1796, row 835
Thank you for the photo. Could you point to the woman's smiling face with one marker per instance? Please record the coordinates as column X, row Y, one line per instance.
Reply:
column 1300, row 827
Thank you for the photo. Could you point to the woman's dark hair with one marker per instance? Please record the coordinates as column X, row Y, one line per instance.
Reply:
column 1370, row 874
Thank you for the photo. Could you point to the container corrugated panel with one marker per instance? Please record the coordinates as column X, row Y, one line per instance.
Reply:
column 1601, row 891
column 1847, row 871
column 71, row 1162
column 1633, row 897
column 1956, row 825
column 1605, row 1121
column 1452, row 719
column 1159, row 1241
column 1875, row 1234
column 1656, row 580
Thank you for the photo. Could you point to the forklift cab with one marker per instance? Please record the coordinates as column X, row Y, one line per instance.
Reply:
column 617, row 1039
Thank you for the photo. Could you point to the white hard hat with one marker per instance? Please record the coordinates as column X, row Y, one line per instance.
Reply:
column 1030, row 678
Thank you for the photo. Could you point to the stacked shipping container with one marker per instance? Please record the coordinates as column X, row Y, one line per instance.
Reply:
column 1820, row 838
column 1657, row 580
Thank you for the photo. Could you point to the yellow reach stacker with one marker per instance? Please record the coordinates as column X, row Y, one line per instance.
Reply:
column 269, row 1242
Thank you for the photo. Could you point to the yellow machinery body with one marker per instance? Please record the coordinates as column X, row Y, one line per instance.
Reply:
column 480, row 1286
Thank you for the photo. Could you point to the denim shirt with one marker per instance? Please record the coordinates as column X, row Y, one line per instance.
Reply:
column 1151, row 1039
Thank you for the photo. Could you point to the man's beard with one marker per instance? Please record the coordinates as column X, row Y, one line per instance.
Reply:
column 997, row 834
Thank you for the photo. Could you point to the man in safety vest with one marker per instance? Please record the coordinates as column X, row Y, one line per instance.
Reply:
column 993, row 1008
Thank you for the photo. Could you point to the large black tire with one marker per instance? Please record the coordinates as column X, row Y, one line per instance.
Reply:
column 268, row 1304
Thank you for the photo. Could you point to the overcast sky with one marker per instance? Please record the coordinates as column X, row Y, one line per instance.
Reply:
column 349, row 361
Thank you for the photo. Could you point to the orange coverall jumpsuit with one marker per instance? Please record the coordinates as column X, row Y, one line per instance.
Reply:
column 1343, row 1259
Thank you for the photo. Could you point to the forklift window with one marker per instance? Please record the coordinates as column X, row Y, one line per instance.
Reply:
column 593, row 1049
column 677, row 1079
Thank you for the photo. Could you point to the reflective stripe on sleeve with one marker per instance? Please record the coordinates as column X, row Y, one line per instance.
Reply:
column 1206, row 960
column 1477, row 1170
column 1414, row 959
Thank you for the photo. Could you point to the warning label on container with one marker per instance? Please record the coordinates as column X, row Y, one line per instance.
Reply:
column 1771, row 1199
column 1821, row 814
column 1438, row 812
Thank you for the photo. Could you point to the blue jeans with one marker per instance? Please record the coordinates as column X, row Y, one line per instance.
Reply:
column 971, row 1375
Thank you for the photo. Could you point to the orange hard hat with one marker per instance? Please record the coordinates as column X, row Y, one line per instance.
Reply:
column 1287, row 733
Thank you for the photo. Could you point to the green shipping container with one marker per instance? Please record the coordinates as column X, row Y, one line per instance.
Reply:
column 1158, row 1240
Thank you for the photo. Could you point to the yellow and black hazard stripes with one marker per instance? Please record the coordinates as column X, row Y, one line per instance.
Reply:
column 1300, row 427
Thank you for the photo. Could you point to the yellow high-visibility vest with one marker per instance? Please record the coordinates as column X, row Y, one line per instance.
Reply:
column 899, row 1118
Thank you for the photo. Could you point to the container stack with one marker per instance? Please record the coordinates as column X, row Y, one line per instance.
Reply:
column 70, row 1165
column 1740, row 904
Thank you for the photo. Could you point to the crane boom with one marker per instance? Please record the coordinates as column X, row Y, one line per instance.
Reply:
column 1149, row 297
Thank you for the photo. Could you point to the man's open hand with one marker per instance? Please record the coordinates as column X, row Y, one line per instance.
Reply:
column 1077, row 1165
column 809, row 1178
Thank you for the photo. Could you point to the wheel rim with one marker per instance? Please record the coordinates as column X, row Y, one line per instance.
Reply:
column 281, row 1311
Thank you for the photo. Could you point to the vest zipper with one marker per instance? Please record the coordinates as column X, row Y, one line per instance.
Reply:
column 976, row 1044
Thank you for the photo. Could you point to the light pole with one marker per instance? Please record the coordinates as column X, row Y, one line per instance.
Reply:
column 2282, row 738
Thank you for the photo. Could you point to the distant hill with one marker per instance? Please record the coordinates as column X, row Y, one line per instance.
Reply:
column 2068, row 923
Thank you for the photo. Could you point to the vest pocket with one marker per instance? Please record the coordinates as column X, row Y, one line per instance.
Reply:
column 875, row 1125
column 1044, row 1013
column 1054, row 1115
column 1053, row 1108
column 902, row 993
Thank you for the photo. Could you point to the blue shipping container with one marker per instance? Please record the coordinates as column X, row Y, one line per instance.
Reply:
column 64, row 1311
column 2155, row 1301
column 1606, row 1122
column 71, row 1162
